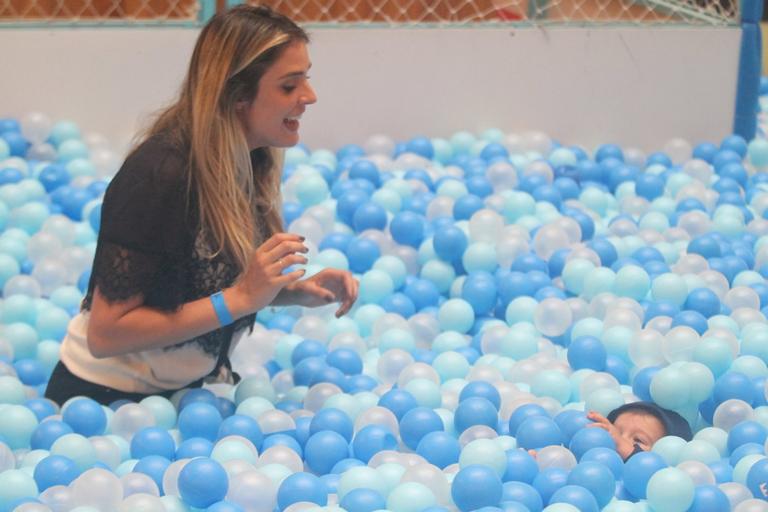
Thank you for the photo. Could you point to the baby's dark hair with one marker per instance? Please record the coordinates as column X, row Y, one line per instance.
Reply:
column 673, row 423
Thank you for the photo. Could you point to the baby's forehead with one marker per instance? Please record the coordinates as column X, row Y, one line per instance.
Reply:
column 639, row 419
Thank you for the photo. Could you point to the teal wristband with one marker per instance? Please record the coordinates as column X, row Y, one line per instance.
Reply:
column 222, row 311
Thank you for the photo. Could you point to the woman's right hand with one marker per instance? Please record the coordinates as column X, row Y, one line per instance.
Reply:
column 263, row 278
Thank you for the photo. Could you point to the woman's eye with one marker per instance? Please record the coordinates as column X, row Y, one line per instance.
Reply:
column 289, row 88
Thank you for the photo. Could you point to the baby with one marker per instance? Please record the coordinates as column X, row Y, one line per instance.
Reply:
column 636, row 426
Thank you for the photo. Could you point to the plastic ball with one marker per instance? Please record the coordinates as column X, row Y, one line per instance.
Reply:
column 302, row 487
column 476, row 486
column 203, row 482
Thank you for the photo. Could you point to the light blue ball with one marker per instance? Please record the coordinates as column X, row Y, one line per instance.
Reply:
column 394, row 267
column 670, row 489
column 300, row 487
column 479, row 257
column 632, row 281
column 9, row 267
column 16, row 484
column 375, row 285
column 76, row 447
column 311, row 189
column 52, row 323
column 411, row 497
column 456, row 315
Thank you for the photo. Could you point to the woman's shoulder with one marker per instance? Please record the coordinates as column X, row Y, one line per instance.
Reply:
column 157, row 162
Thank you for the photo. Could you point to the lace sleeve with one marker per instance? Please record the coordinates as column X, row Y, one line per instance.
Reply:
column 145, row 232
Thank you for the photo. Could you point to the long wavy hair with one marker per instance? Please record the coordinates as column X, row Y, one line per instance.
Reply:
column 239, row 203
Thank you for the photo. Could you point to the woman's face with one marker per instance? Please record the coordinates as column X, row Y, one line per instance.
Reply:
column 272, row 118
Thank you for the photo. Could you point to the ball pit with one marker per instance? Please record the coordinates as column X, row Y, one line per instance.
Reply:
column 508, row 284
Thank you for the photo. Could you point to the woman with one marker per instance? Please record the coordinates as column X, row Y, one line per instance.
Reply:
column 190, row 245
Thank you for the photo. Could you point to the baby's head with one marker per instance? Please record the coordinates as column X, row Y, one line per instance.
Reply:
column 644, row 423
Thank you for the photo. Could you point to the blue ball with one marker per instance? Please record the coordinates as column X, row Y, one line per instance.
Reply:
column 520, row 497
column 703, row 301
column 757, row 478
column 203, row 482
column 605, row 251
column 362, row 253
column 476, row 486
column 421, row 146
column 152, row 441
column 154, row 466
column 692, row 319
column 399, row 401
column 30, row 371
column 577, row 496
column 244, row 426
column 417, row 423
column 42, row 407
column 55, row 470
column 367, row 170
column 607, row 458
column 47, row 432
column 746, row 432
column 194, row 447
column 324, row 450
column 439, row 449
column 588, row 438
column 85, row 416
column 733, row 385
column 199, row 419
column 335, row 240
column 639, row 469
column 372, row 439
column 422, row 292
column 596, row 478
column 197, row 395
column 709, row 498
column 475, row 411
column 450, row 243
column 363, row 500
column 537, row 432
column 587, row 352
column 465, row 206
column 282, row 439
column 705, row 246
column 225, row 406
column 479, row 290
column 482, row 389
column 521, row 467
column 705, row 151
column 308, row 348
column 479, row 186
column 307, row 370
column 570, row 422
column 400, row 304
column 332, row 419
column 649, row 186
column 548, row 481
column 369, row 215
column 407, row 228
column 300, row 487
column 348, row 203
column 522, row 413
column 742, row 451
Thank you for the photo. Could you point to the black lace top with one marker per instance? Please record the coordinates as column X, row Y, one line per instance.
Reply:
column 150, row 242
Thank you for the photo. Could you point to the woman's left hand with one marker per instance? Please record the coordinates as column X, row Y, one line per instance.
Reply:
column 328, row 285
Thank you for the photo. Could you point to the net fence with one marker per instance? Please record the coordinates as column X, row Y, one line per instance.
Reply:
column 380, row 12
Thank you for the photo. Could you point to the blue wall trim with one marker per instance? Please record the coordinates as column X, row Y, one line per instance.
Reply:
column 750, row 70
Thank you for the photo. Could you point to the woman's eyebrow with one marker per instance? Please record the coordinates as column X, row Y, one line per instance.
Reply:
column 293, row 74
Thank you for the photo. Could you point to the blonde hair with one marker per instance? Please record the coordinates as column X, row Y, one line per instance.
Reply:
column 231, row 55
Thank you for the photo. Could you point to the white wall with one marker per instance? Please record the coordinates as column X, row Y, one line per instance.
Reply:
column 634, row 86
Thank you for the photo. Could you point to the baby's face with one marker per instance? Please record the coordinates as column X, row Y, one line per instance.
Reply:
column 640, row 428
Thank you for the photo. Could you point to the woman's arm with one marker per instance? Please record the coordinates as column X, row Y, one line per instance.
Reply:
column 117, row 328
